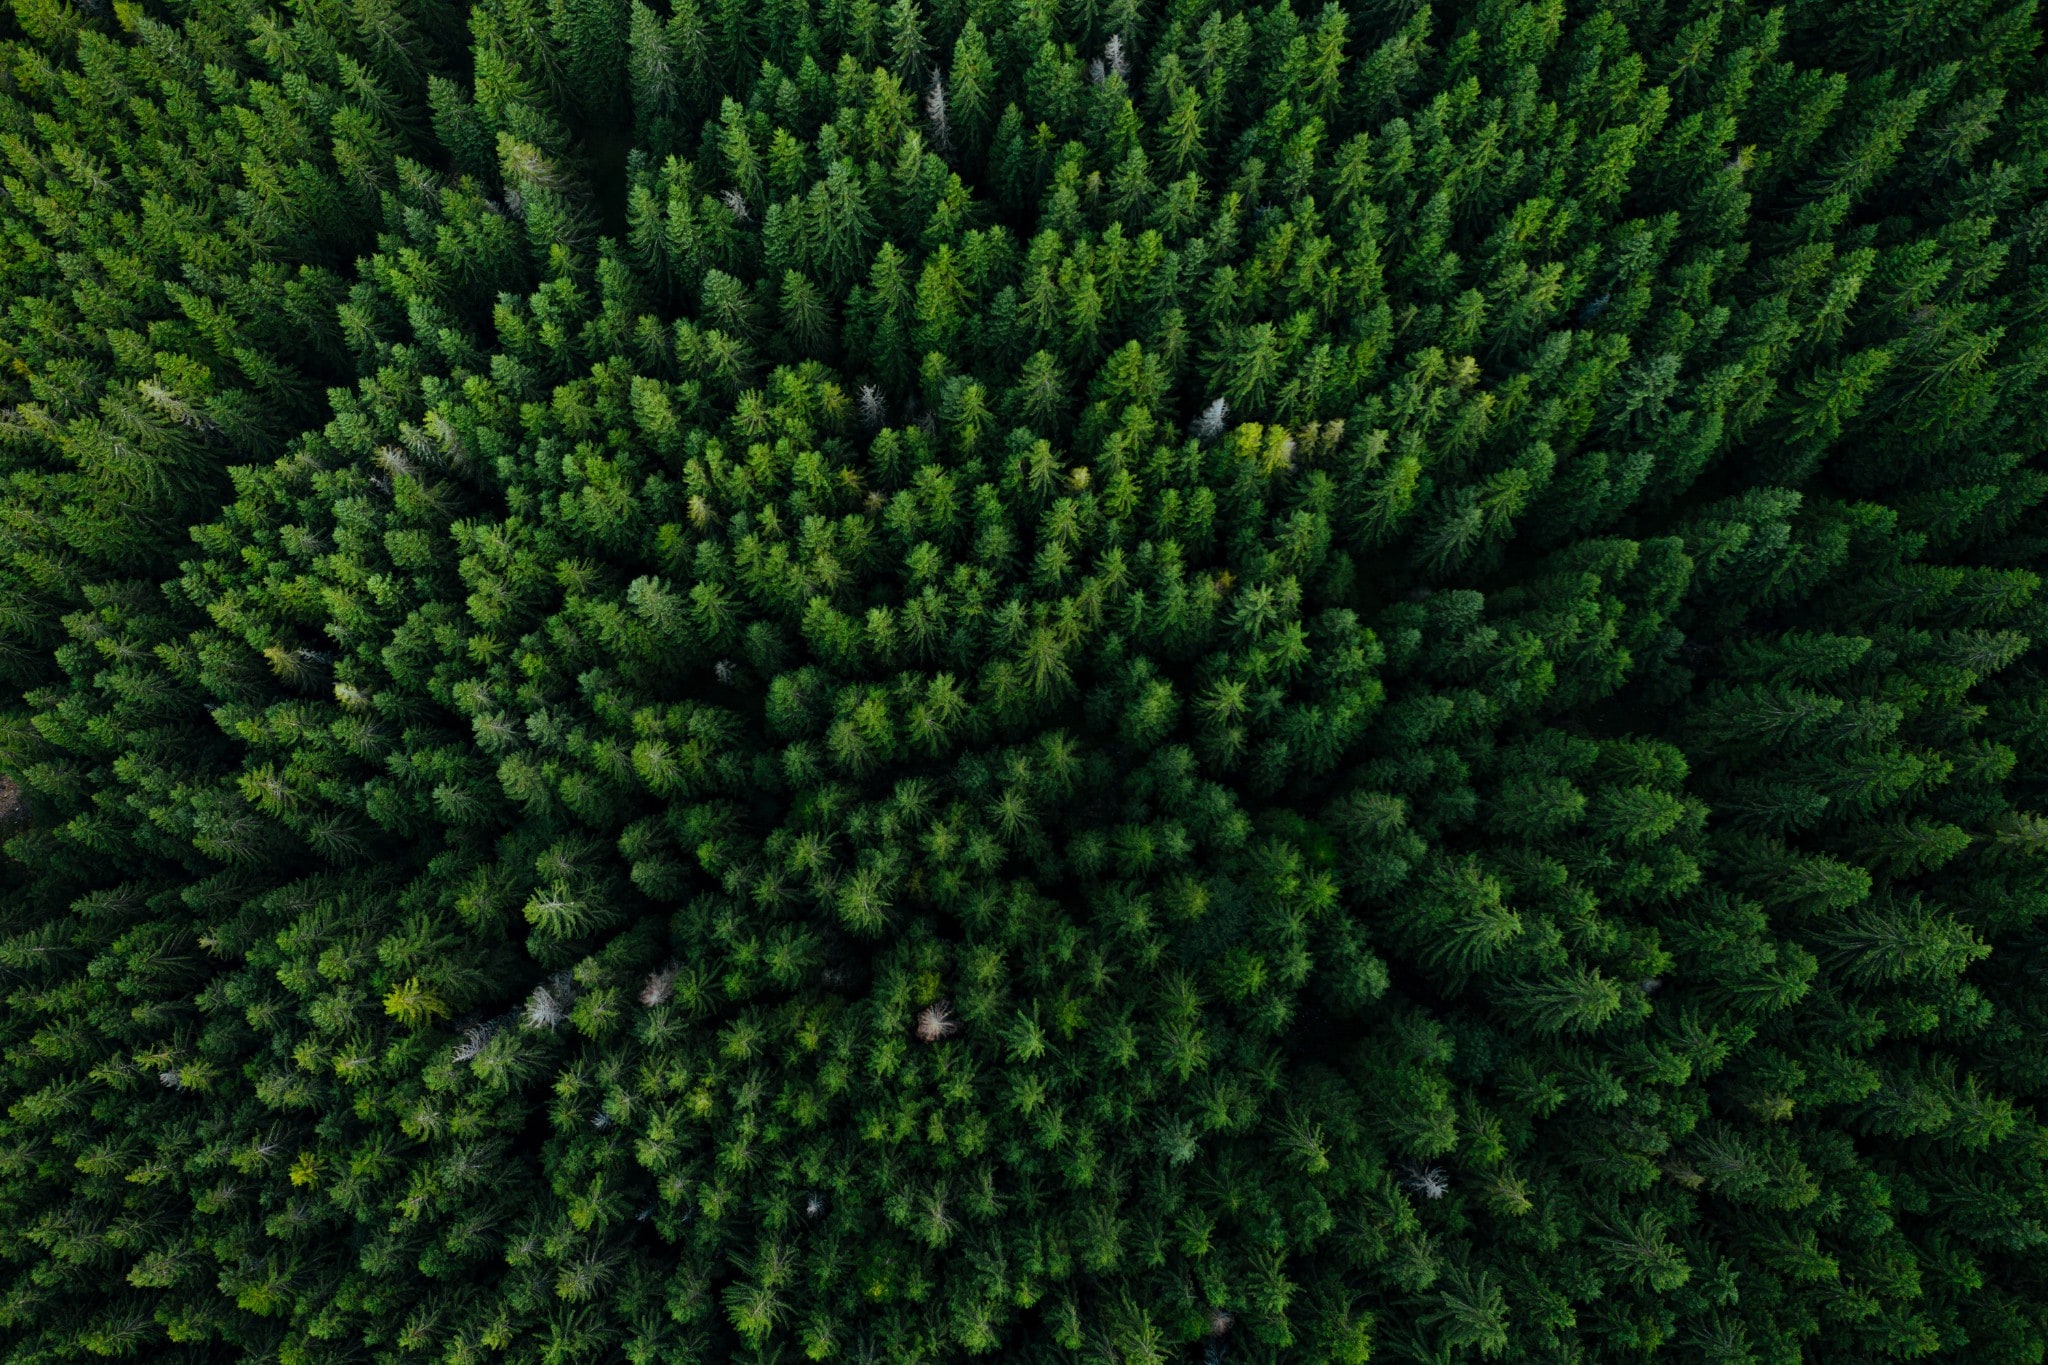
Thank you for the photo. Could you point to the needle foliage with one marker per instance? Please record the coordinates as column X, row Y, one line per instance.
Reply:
column 1069, row 681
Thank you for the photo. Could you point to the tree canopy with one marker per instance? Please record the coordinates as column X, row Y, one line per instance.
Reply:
column 1059, row 680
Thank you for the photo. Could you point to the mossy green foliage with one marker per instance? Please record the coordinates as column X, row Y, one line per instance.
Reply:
column 1092, row 683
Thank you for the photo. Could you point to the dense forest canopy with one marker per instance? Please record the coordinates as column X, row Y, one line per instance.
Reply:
column 1087, row 681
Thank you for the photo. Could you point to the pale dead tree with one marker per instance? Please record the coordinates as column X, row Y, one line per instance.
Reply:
column 660, row 987
column 935, row 112
column 549, row 1004
column 935, row 1022
column 1209, row 426
column 543, row 1010
column 1113, row 56
column 873, row 410
column 737, row 202
column 474, row 1040
column 1112, row 62
column 1431, row 1182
